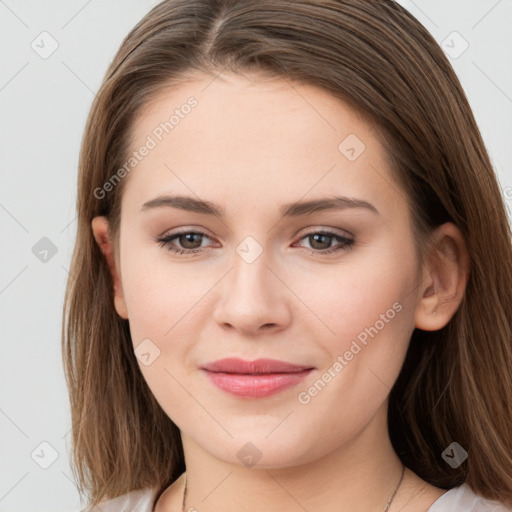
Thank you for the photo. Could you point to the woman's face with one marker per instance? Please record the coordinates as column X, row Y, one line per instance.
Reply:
column 327, row 287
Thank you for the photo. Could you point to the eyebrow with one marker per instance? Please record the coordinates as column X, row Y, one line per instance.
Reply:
column 296, row 209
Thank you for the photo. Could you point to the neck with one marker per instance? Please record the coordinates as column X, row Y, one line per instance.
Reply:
column 359, row 476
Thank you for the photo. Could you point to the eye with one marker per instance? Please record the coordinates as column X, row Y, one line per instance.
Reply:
column 190, row 241
column 320, row 242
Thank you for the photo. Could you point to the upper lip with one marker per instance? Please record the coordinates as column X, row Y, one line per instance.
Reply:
column 236, row 365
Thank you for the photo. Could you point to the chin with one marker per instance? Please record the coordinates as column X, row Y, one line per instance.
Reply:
column 252, row 448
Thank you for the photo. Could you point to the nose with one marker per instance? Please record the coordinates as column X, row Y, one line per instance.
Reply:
column 252, row 298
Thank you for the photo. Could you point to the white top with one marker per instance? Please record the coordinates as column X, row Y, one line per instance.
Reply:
column 458, row 499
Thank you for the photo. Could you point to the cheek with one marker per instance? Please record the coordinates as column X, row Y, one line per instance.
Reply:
column 162, row 310
column 369, row 309
column 159, row 293
column 352, row 298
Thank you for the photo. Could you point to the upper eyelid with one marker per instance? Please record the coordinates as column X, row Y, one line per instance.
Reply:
column 310, row 229
column 331, row 231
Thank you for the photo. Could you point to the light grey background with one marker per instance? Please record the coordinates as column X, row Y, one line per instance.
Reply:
column 44, row 104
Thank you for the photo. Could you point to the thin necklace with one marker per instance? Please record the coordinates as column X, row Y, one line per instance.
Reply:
column 386, row 508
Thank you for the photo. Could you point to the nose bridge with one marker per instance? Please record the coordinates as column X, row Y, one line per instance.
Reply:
column 250, row 275
column 251, row 294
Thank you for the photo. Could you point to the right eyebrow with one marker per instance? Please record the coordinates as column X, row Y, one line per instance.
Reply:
column 187, row 203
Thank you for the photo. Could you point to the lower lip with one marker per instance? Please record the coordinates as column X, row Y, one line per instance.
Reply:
column 256, row 386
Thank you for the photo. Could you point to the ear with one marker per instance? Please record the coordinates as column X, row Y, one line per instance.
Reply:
column 102, row 237
column 444, row 279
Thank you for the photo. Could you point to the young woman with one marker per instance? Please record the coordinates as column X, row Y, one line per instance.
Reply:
column 292, row 281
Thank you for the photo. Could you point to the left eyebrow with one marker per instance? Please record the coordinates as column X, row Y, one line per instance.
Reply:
column 288, row 210
column 329, row 203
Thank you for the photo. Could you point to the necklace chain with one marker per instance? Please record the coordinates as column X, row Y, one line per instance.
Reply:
column 386, row 508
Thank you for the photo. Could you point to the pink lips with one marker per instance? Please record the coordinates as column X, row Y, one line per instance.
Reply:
column 254, row 379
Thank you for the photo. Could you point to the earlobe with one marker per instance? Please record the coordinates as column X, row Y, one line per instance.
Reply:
column 102, row 237
column 445, row 280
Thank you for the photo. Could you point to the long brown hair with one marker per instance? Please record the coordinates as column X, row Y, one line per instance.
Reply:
column 456, row 383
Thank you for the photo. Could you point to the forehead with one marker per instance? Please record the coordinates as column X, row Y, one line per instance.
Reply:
column 241, row 137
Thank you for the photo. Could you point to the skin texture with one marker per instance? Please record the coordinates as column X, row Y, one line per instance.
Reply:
column 250, row 146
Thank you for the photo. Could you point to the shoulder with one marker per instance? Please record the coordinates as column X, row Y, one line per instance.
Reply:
column 463, row 499
column 135, row 501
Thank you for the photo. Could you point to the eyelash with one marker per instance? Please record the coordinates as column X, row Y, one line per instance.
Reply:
column 346, row 243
